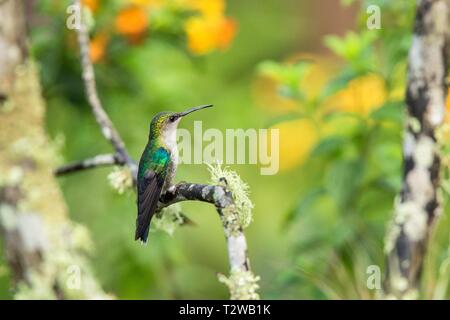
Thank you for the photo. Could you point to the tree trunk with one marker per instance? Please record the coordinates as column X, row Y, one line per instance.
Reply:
column 46, row 252
column 418, row 204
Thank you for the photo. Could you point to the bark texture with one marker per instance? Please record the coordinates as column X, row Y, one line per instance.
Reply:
column 418, row 204
column 46, row 252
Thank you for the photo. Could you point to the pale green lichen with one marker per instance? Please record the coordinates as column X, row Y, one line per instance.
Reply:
column 6, row 107
column 81, row 239
column 64, row 267
column 13, row 177
column 121, row 179
column 56, row 145
column 240, row 215
column 412, row 294
column 410, row 218
column 56, row 246
column 241, row 284
column 424, row 152
column 7, row 216
column 414, row 124
column 39, row 149
column 169, row 219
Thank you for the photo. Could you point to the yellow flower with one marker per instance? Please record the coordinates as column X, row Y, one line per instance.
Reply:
column 361, row 95
column 149, row 3
column 201, row 39
column 206, row 34
column 209, row 8
column 297, row 138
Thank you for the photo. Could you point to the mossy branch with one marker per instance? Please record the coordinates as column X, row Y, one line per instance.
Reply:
column 418, row 204
column 229, row 194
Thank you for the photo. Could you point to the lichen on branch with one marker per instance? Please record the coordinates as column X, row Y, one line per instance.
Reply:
column 42, row 245
column 243, row 285
column 239, row 216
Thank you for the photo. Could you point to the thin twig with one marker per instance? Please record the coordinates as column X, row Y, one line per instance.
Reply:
column 108, row 130
column 100, row 160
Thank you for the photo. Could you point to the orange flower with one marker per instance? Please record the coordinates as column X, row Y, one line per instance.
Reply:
column 448, row 100
column 226, row 32
column 97, row 47
column 447, row 109
column 206, row 34
column 132, row 22
column 91, row 4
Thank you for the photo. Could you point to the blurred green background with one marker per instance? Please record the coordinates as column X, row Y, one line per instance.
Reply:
column 309, row 68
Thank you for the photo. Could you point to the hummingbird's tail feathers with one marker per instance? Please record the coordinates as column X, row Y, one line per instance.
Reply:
column 149, row 191
column 142, row 237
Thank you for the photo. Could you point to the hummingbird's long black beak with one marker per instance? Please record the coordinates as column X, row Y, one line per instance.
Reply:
column 182, row 114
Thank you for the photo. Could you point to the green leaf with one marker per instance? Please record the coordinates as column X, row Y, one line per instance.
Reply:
column 338, row 83
column 285, row 117
column 270, row 68
column 335, row 44
column 305, row 204
column 343, row 179
column 329, row 146
column 390, row 111
column 355, row 48
column 289, row 76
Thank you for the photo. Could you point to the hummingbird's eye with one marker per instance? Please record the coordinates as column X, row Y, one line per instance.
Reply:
column 172, row 118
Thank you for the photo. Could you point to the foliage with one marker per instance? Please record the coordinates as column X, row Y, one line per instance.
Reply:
column 352, row 172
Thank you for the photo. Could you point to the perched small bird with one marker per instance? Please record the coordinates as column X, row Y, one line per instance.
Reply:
column 157, row 166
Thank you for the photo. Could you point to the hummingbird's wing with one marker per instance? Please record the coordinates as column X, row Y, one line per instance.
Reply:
column 149, row 190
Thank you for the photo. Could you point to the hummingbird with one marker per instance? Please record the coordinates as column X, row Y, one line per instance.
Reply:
column 157, row 166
